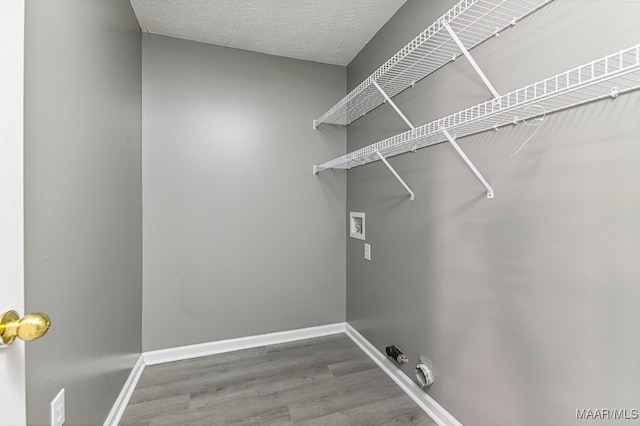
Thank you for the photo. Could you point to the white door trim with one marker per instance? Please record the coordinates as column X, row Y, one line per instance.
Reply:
column 12, row 360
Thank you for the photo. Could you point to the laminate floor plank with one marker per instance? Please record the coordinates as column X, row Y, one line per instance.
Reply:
column 249, row 369
column 321, row 381
column 143, row 412
column 400, row 410
column 352, row 365
column 203, row 378
column 262, row 409
column 161, row 373
column 343, row 384
column 271, row 385
column 343, row 398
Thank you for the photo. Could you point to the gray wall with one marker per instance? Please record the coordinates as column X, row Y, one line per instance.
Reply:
column 239, row 237
column 83, row 215
column 527, row 304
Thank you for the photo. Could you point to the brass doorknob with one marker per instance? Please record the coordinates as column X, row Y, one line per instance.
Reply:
column 31, row 327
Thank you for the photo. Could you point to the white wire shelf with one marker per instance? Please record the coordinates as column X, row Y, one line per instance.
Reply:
column 474, row 21
column 606, row 77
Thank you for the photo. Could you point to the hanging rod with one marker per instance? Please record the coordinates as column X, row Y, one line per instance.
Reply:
column 474, row 21
column 609, row 76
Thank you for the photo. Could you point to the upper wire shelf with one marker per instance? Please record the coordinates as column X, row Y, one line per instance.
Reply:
column 474, row 21
column 606, row 77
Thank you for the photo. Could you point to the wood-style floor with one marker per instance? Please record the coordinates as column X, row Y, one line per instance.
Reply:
column 323, row 381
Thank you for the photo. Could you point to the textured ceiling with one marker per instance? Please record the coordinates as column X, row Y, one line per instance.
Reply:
column 328, row 31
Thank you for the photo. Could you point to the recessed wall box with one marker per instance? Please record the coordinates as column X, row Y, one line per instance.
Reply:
column 356, row 225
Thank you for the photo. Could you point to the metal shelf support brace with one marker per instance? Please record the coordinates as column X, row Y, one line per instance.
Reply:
column 386, row 163
column 406, row 120
column 474, row 64
column 388, row 99
column 469, row 163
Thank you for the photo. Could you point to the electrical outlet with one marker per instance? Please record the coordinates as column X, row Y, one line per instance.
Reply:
column 57, row 409
column 367, row 251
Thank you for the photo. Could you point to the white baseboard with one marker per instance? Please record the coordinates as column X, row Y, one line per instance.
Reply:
column 125, row 394
column 428, row 404
column 221, row 346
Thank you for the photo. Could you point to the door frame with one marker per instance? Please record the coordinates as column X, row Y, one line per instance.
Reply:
column 12, row 358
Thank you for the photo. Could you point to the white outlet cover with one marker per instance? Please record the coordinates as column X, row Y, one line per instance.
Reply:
column 58, row 415
column 367, row 251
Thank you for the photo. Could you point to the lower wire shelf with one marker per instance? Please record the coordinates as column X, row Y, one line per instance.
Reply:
column 609, row 76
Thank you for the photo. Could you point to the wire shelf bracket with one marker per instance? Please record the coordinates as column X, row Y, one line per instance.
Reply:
column 386, row 163
column 473, row 168
column 472, row 21
column 411, row 126
column 607, row 77
column 474, row 64
column 393, row 105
